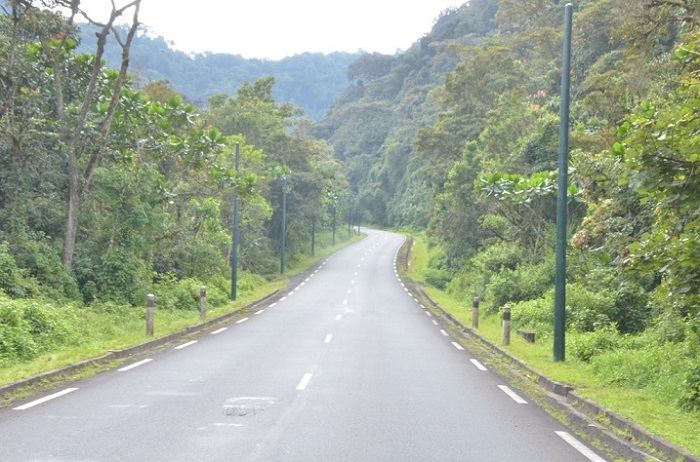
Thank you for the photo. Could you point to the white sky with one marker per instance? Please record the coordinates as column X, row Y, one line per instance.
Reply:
column 275, row 29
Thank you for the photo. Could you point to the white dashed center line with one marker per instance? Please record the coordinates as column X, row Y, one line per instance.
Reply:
column 304, row 382
column 328, row 339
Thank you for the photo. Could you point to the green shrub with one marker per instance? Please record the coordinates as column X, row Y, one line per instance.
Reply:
column 525, row 282
column 536, row 315
column 29, row 328
column 690, row 394
column 587, row 310
column 43, row 263
column 121, row 277
column 10, row 274
column 437, row 277
column 584, row 346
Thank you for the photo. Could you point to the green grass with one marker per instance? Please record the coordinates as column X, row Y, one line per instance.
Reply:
column 658, row 416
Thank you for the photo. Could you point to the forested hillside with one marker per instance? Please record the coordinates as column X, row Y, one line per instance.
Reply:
column 311, row 81
column 459, row 137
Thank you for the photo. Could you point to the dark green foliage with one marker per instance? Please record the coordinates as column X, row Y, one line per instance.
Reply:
column 11, row 278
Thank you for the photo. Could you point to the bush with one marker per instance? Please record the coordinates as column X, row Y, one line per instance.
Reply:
column 11, row 278
column 437, row 277
column 535, row 315
column 584, row 346
column 44, row 265
column 525, row 282
column 586, row 310
column 690, row 395
column 494, row 262
column 121, row 277
column 29, row 328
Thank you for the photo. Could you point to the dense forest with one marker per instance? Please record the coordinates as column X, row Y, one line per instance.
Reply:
column 311, row 81
column 111, row 186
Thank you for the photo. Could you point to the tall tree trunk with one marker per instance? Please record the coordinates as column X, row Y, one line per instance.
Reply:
column 73, row 209
column 78, row 181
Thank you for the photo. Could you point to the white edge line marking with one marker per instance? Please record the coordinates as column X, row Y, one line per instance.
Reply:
column 328, row 339
column 337, row 318
column 185, row 345
column 514, row 396
column 44, row 399
column 580, row 447
column 283, row 299
column 304, row 382
column 478, row 365
column 259, row 312
column 458, row 346
column 240, row 321
column 273, row 305
column 132, row 366
column 218, row 331
column 444, row 332
column 435, row 322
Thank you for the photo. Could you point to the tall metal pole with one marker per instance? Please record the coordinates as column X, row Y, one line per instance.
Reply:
column 562, row 199
column 313, row 235
column 334, row 225
column 284, row 224
column 234, row 239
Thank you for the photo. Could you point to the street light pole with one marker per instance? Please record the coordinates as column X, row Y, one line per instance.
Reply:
column 333, row 225
column 563, row 183
column 234, row 239
column 284, row 224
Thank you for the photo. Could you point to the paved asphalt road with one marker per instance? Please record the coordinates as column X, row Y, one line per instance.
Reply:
column 346, row 366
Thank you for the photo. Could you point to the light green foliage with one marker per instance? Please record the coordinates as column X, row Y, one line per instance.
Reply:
column 659, row 150
column 30, row 327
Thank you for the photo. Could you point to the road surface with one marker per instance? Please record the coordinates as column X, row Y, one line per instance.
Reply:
column 344, row 366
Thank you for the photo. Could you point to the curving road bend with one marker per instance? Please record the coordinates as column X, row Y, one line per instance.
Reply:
column 345, row 366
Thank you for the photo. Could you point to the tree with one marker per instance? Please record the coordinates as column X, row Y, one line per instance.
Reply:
column 84, row 117
column 659, row 150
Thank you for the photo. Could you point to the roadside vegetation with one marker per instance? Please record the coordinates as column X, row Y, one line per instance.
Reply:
column 638, row 376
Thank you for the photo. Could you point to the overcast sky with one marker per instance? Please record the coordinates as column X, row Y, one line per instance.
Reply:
column 274, row 29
